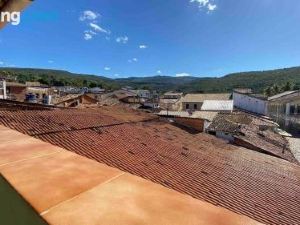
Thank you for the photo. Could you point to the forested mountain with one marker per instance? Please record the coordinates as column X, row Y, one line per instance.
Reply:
column 257, row 80
column 58, row 78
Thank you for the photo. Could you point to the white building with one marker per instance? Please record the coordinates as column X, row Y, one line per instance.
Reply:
column 3, row 89
column 194, row 102
column 284, row 108
column 143, row 93
column 251, row 103
column 217, row 105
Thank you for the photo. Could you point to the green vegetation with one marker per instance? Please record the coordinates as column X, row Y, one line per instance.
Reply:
column 276, row 89
column 268, row 82
column 58, row 78
column 258, row 81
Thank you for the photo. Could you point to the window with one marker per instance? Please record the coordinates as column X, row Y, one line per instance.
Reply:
column 195, row 106
column 187, row 106
column 292, row 109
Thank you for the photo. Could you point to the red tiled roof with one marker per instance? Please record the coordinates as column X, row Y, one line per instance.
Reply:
column 246, row 127
column 33, row 168
column 262, row 187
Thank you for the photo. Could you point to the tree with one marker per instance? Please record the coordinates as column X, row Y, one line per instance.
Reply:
column 93, row 84
column 276, row 89
column 85, row 83
column 288, row 86
column 268, row 91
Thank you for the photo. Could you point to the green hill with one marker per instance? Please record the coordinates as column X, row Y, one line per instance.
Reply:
column 58, row 78
column 161, row 83
column 257, row 80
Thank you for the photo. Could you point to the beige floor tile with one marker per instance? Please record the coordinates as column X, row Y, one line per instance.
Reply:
column 7, row 135
column 129, row 200
column 47, row 181
column 24, row 149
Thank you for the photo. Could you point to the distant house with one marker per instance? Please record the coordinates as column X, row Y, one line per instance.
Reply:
column 151, row 104
column 127, row 96
column 16, row 91
column 250, row 102
column 3, row 88
column 143, row 94
column 74, row 100
column 252, row 132
column 284, row 108
column 195, row 101
column 198, row 121
column 96, row 90
column 217, row 105
column 172, row 95
column 33, row 84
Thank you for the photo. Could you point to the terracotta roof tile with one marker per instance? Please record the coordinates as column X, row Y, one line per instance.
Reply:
column 262, row 187
column 69, row 189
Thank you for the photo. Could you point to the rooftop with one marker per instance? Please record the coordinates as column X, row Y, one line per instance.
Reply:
column 203, row 97
column 217, row 105
column 195, row 115
column 253, row 184
column 284, row 94
column 254, row 130
column 173, row 93
column 59, row 193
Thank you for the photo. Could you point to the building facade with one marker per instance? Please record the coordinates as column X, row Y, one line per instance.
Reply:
column 2, row 89
column 251, row 103
column 284, row 108
column 194, row 102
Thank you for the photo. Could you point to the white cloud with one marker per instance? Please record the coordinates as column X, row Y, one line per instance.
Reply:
column 122, row 40
column 143, row 46
column 1, row 63
column 107, row 68
column 87, row 36
column 93, row 26
column 97, row 28
column 158, row 72
column 133, row 60
column 208, row 4
column 50, row 61
column 211, row 7
column 88, row 15
column 182, row 75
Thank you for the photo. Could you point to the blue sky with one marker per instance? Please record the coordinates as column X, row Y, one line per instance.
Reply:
column 121, row 38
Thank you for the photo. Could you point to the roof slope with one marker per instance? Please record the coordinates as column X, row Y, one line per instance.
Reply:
column 253, row 130
column 59, row 193
column 203, row 97
column 283, row 94
column 194, row 115
column 217, row 105
column 262, row 187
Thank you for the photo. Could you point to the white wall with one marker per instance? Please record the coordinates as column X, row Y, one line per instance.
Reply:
column 3, row 89
column 249, row 103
